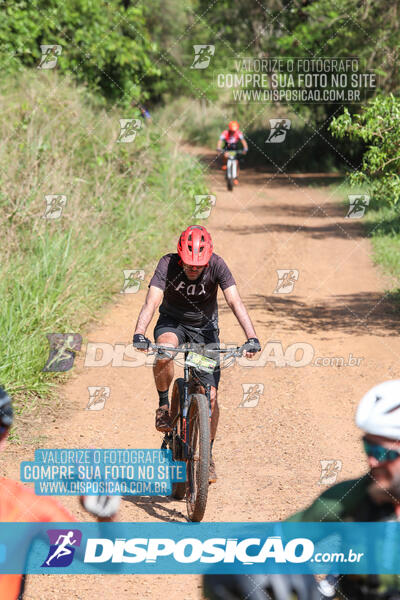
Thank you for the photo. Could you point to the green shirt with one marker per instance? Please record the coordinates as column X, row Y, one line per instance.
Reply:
column 350, row 501
column 346, row 501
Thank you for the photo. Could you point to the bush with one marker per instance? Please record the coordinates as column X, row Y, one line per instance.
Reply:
column 103, row 44
column 378, row 126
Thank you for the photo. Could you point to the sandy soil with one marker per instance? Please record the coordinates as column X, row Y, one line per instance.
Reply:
column 268, row 456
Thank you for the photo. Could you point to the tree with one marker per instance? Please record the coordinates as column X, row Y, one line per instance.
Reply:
column 378, row 125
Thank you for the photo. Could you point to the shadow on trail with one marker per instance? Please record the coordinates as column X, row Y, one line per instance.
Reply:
column 271, row 179
column 254, row 174
column 302, row 211
column 338, row 230
column 361, row 313
column 157, row 507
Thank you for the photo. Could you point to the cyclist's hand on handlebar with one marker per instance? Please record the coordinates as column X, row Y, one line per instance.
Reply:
column 251, row 347
column 104, row 508
column 141, row 342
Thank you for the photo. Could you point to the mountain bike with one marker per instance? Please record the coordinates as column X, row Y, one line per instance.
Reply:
column 190, row 415
column 232, row 167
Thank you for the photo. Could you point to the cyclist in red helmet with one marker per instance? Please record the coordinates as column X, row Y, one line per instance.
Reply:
column 185, row 286
column 229, row 140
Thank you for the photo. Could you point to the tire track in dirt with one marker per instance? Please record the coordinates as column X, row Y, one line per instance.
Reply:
column 267, row 457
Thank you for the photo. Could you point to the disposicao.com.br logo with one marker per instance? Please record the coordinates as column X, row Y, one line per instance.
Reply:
column 247, row 551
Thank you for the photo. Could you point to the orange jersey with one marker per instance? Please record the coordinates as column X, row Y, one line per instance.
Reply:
column 19, row 504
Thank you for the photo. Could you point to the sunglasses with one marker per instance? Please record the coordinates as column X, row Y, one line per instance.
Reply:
column 192, row 267
column 380, row 453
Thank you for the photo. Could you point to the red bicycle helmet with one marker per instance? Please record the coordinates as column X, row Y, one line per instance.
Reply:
column 195, row 246
column 233, row 126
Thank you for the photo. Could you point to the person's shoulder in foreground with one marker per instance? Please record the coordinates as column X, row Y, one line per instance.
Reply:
column 375, row 495
column 336, row 503
column 19, row 503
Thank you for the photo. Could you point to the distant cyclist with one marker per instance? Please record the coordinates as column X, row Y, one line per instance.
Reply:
column 184, row 286
column 19, row 503
column 143, row 111
column 372, row 497
column 230, row 139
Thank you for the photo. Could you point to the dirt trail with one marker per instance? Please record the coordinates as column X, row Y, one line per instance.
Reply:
column 267, row 457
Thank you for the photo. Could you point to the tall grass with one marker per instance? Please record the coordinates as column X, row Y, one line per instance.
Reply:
column 382, row 225
column 125, row 202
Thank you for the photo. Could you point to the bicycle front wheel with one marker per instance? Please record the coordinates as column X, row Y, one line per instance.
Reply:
column 229, row 176
column 199, row 457
column 179, row 487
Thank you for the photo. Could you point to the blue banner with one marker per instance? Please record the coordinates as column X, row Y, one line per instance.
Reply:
column 195, row 548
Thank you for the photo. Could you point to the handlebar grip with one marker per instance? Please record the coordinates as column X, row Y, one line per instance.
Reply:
column 141, row 345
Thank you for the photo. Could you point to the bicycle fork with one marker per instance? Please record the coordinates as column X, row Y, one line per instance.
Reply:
column 185, row 422
column 231, row 169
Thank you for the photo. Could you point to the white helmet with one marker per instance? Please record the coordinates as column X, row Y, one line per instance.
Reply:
column 379, row 410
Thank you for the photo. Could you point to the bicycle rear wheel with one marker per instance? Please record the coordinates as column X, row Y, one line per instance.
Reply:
column 199, row 457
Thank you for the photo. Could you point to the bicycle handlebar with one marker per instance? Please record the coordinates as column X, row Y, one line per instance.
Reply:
column 238, row 152
column 229, row 352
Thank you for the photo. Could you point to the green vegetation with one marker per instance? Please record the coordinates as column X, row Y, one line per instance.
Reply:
column 383, row 225
column 123, row 50
column 125, row 201
column 366, row 30
column 104, row 45
column 378, row 125
column 381, row 222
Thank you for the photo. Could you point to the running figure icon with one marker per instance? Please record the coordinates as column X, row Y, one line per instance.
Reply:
column 62, row 549
column 286, row 280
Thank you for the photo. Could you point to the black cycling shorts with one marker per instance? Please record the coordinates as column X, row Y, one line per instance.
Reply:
column 194, row 335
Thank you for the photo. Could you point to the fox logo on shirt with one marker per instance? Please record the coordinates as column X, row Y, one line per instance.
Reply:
column 191, row 289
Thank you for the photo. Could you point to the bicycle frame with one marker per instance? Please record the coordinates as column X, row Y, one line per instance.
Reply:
column 231, row 165
column 189, row 379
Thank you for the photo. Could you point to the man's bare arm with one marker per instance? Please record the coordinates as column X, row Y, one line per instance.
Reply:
column 152, row 302
column 235, row 303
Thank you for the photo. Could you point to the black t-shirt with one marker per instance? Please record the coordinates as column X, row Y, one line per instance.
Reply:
column 191, row 302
